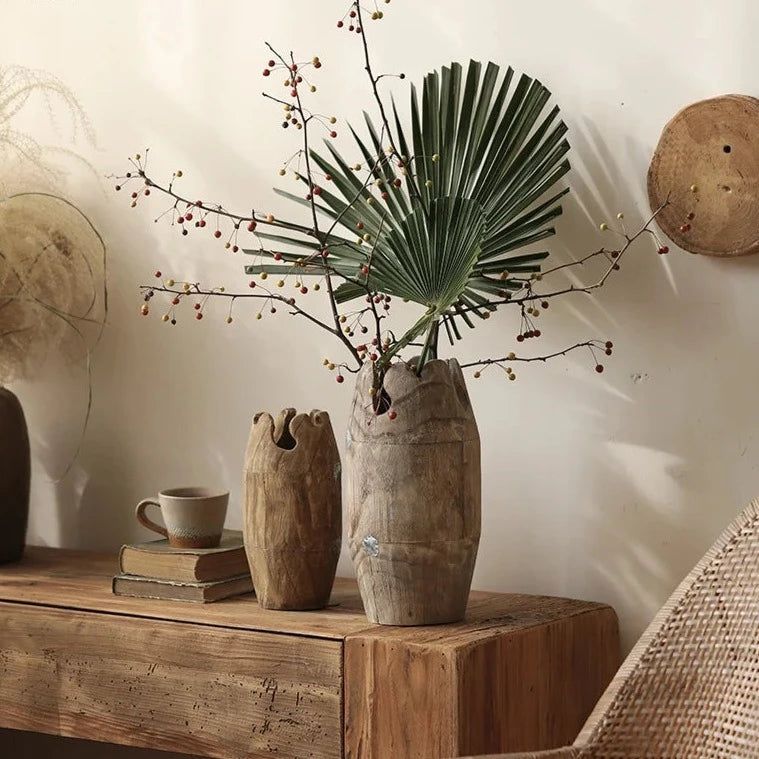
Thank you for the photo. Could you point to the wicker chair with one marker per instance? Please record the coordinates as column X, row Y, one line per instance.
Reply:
column 690, row 687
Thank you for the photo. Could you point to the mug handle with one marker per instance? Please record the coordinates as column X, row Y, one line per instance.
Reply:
column 146, row 521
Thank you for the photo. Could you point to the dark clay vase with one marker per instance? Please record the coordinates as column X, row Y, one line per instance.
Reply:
column 15, row 476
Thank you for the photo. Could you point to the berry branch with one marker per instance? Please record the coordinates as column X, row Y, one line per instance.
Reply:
column 512, row 358
column 380, row 235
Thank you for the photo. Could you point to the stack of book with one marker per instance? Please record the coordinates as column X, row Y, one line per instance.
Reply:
column 156, row 570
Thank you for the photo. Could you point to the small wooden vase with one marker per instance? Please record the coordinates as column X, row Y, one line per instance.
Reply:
column 15, row 473
column 292, row 516
column 414, row 495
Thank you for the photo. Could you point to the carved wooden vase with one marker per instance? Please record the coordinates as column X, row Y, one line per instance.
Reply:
column 15, row 472
column 292, row 514
column 414, row 495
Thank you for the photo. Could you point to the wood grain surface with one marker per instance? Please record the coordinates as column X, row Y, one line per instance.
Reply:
column 207, row 691
column 510, row 682
column 292, row 509
column 518, row 672
column 713, row 146
column 414, row 495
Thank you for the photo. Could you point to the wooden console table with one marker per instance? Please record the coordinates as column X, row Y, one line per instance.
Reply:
column 232, row 680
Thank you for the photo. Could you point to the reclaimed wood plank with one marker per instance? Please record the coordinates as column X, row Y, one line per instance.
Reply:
column 524, row 675
column 82, row 580
column 176, row 687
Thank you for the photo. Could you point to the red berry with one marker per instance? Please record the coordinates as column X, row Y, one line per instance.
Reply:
column 293, row 93
column 385, row 195
column 599, row 368
column 544, row 304
column 294, row 67
column 340, row 24
column 318, row 65
column 397, row 182
column 361, row 348
column 663, row 250
column 180, row 220
column 609, row 344
column 374, row 341
column 272, row 64
column 251, row 283
column 303, row 290
column 608, row 351
column 391, row 414
column 373, row 356
column 202, row 223
column 134, row 194
column 520, row 338
column 252, row 226
column 146, row 192
column 277, row 256
column 325, row 254
column 197, row 306
column 333, row 133
column 158, row 275
column 340, row 378
column 360, row 225
column 328, row 177
column 317, row 190
column 199, row 315
column 537, row 333
column 351, row 28
column 188, row 216
column 685, row 228
column 235, row 248
column 267, row 72
column 364, row 270
column 352, row 14
column 175, row 301
column 118, row 187
column 217, row 233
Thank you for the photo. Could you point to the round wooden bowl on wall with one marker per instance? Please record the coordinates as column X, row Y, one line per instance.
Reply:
column 707, row 163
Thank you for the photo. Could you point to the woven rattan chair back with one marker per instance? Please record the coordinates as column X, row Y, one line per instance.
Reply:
column 690, row 687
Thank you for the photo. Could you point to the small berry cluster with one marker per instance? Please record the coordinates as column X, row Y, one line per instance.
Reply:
column 351, row 20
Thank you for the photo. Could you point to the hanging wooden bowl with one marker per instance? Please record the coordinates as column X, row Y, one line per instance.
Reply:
column 707, row 162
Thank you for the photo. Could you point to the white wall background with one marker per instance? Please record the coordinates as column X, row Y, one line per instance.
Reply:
column 601, row 487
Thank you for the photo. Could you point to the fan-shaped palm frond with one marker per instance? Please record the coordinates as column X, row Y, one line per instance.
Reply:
column 443, row 222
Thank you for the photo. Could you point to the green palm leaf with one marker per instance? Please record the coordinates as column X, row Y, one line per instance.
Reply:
column 478, row 158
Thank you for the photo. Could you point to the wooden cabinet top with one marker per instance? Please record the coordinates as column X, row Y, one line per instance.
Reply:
column 81, row 580
column 232, row 679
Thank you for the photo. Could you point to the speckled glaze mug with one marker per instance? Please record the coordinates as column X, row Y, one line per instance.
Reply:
column 194, row 517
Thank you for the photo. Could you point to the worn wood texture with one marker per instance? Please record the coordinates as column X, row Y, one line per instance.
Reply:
column 292, row 513
column 433, row 691
column 206, row 691
column 414, row 495
column 714, row 145
column 527, row 680
column 15, row 473
column 82, row 580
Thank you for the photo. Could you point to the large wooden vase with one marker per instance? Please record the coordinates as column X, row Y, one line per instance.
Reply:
column 292, row 511
column 414, row 495
column 15, row 469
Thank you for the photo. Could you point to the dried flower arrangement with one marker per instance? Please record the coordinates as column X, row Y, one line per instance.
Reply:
column 53, row 296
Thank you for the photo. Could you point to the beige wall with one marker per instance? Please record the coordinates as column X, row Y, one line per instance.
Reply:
column 605, row 487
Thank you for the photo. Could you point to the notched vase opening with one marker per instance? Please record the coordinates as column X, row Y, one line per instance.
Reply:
column 284, row 431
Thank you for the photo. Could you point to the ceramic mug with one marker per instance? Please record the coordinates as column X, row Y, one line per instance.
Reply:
column 194, row 517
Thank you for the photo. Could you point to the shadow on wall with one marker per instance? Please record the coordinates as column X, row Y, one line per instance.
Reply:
column 665, row 436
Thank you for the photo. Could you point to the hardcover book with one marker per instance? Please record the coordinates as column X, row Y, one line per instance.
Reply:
column 199, row 592
column 159, row 560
